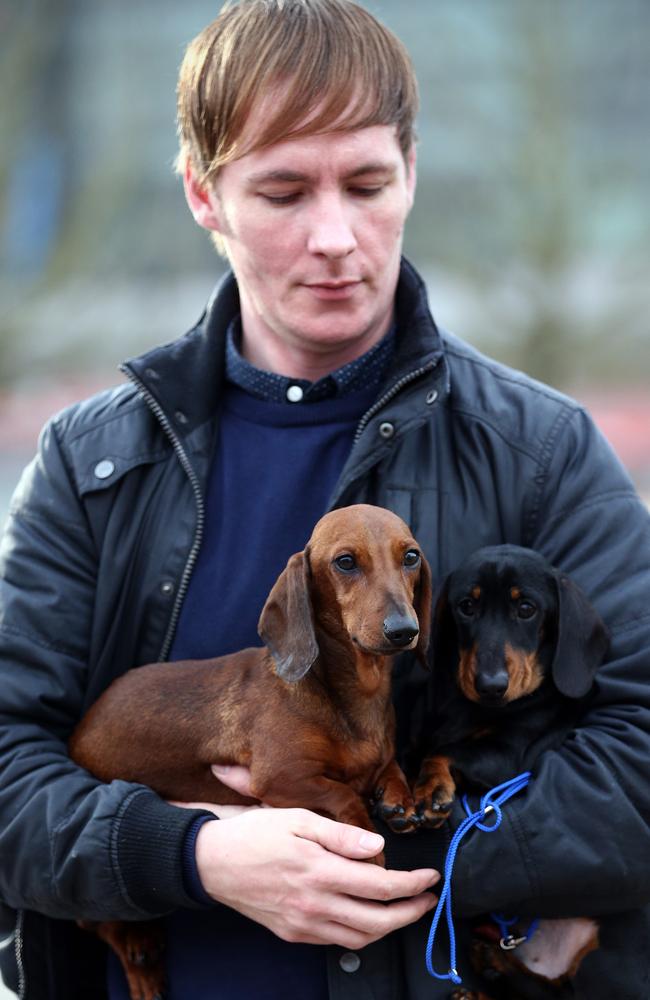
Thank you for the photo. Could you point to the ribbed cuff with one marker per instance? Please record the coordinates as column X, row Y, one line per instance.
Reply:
column 191, row 877
column 148, row 849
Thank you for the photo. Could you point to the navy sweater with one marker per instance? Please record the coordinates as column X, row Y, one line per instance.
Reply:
column 276, row 465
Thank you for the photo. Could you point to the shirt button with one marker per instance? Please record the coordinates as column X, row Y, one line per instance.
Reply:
column 387, row 429
column 349, row 961
column 104, row 469
column 294, row 393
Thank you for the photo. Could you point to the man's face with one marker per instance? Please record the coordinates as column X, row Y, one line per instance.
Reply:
column 313, row 230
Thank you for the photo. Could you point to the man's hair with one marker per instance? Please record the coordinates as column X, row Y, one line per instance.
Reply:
column 343, row 68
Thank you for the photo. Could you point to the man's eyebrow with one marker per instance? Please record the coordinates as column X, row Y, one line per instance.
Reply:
column 295, row 176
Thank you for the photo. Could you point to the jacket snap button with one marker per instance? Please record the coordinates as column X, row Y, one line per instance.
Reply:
column 349, row 961
column 432, row 396
column 167, row 588
column 386, row 430
column 104, row 469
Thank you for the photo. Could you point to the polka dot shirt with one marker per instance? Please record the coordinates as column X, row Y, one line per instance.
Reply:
column 363, row 373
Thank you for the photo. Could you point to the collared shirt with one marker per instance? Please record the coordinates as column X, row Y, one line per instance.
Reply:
column 366, row 372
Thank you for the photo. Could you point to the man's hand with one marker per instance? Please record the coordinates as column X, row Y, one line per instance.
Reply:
column 305, row 877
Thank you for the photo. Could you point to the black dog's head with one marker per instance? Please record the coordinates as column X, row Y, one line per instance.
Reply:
column 514, row 620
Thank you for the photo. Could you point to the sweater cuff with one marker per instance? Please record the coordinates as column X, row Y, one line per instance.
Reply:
column 409, row 851
column 147, row 850
column 191, row 877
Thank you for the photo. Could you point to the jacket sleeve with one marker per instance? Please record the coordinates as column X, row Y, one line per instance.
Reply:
column 63, row 848
column 577, row 841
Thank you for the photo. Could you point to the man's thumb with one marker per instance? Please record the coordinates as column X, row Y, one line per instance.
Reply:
column 344, row 839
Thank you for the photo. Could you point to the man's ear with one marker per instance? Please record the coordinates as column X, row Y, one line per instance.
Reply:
column 202, row 201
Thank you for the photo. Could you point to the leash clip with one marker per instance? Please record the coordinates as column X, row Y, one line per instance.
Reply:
column 511, row 942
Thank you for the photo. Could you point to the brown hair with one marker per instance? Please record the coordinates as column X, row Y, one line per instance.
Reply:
column 346, row 71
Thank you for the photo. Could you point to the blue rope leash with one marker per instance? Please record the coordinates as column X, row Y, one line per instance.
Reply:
column 491, row 802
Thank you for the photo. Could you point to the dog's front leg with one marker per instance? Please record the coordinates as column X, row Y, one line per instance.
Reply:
column 434, row 791
column 393, row 801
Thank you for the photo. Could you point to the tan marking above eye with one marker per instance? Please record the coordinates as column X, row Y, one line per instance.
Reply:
column 476, row 593
column 515, row 593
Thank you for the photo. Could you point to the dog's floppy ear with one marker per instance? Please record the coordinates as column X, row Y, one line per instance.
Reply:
column 286, row 625
column 443, row 628
column 423, row 602
column 582, row 640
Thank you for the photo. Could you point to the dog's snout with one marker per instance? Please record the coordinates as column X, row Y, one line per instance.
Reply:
column 492, row 685
column 400, row 631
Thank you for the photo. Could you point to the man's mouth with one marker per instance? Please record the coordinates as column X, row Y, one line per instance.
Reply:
column 341, row 289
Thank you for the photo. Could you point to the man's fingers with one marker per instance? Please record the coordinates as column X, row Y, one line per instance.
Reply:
column 363, row 924
column 234, row 776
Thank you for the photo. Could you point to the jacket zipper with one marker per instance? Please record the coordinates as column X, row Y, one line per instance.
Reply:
column 181, row 454
column 386, row 398
column 163, row 420
column 18, row 950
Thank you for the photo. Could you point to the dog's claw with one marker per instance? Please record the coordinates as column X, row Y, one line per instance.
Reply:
column 434, row 810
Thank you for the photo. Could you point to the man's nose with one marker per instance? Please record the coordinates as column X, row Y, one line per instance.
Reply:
column 330, row 231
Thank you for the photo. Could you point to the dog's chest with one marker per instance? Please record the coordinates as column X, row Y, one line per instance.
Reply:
column 359, row 759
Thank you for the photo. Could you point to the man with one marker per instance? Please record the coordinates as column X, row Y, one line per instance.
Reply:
column 156, row 516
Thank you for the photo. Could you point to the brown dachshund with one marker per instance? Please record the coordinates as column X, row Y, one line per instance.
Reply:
column 515, row 651
column 358, row 594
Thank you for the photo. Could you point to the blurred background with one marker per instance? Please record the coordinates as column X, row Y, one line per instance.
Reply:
column 531, row 227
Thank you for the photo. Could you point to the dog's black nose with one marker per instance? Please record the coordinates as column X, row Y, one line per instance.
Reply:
column 492, row 685
column 400, row 631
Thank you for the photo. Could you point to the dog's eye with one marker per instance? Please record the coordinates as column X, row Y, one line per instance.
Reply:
column 345, row 563
column 412, row 558
column 467, row 607
column 526, row 610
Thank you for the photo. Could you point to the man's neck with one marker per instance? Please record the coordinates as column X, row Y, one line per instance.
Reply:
column 301, row 361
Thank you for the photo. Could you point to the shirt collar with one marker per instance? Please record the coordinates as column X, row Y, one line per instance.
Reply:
column 363, row 373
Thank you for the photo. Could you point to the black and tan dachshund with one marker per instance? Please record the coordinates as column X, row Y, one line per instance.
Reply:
column 516, row 646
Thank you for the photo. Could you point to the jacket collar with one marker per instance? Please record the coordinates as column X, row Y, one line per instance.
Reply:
column 186, row 376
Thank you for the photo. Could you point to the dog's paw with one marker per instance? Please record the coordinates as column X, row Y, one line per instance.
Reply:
column 433, row 807
column 398, row 816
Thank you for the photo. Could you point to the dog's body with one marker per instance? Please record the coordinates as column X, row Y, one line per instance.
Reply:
column 310, row 715
column 516, row 646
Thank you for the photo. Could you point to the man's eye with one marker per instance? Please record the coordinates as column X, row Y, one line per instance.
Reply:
column 367, row 192
column 412, row 558
column 281, row 199
column 345, row 563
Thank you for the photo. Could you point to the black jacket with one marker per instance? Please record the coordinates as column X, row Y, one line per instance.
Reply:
column 102, row 536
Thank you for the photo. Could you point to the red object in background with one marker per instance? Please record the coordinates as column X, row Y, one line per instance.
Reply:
column 624, row 419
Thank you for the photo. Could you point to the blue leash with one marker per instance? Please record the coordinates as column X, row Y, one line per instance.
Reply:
column 491, row 802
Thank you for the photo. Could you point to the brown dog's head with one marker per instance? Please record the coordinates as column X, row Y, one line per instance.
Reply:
column 361, row 580
column 508, row 619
